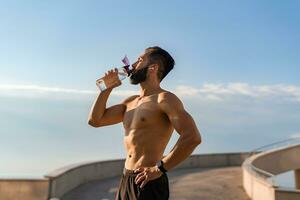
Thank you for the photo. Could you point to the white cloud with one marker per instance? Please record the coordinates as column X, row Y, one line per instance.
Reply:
column 207, row 91
column 36, row 91
column 124, row 93
column 222, row 91
column 187, row 90
column 295, row 135
column 40, row 89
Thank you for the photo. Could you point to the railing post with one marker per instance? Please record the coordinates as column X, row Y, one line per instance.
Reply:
column 297, row 179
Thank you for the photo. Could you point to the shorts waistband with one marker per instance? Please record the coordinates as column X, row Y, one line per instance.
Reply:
column 129, row 172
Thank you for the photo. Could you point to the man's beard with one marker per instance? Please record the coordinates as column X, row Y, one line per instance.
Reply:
column 139, row 76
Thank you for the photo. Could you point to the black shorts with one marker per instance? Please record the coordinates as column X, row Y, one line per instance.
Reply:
column 157, row 189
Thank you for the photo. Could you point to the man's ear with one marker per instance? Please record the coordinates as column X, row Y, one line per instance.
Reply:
column 154, row 67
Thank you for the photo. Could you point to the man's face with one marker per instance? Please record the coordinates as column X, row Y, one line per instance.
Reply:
column 140, row 69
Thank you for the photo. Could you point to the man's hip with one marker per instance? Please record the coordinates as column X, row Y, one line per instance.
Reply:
column 157, row 189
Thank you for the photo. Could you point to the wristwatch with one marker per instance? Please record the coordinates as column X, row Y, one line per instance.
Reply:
column 160, row 165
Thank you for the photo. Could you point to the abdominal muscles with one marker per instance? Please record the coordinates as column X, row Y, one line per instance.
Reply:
column 145, row 146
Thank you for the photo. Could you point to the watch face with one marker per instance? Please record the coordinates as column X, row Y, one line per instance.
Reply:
column 159, row 163
column 161, row 167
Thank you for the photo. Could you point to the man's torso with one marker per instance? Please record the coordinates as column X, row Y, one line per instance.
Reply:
column 147, row 131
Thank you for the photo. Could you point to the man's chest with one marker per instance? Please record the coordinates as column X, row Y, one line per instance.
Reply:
column 141, row 115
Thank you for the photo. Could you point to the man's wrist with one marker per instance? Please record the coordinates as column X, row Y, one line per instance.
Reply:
column 107, row 90
column 158, row 170
column 160, row 166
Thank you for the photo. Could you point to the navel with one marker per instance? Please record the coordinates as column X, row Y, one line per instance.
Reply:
column 143, row 119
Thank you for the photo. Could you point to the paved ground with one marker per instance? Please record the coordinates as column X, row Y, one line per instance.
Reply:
column 185, row 184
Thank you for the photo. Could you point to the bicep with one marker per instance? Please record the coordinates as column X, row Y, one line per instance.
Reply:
column 112, row 115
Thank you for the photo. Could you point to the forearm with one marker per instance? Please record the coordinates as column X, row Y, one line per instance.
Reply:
column 182, row 150
column 99, row 105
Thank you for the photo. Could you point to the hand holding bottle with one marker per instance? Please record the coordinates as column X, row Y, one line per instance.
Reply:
column 111, row 79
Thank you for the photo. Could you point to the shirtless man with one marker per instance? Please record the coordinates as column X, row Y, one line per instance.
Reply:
column 149, row 120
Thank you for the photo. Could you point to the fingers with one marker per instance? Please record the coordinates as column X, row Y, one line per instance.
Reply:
column 145, row 181
column 140, row 177
column 112, row 71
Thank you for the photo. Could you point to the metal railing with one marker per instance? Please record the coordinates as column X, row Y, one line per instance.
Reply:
column 276, row 145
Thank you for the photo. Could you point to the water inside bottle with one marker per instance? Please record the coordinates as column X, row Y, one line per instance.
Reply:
column 122, row 75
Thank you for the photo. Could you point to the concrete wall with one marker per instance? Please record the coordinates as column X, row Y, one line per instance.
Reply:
column 67, row 178
column 214, row 160
column 256, row 188
column 284, row 194
column 14, row 189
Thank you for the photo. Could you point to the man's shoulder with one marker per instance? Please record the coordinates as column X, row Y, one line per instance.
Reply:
column 169, row 99
column 167, row 96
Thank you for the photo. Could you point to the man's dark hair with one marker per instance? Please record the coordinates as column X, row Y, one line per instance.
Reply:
column 163, row 59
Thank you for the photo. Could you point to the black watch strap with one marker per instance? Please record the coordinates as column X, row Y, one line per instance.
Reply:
column 160, row 166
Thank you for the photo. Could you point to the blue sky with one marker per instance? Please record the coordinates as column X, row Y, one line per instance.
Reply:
column 53, row 42
column 237, row 69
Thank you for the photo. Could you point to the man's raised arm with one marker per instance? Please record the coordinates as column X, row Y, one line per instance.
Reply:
column 99, row 114
column 102, row 116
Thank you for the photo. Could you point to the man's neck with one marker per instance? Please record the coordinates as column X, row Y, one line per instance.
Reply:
column 149, row 89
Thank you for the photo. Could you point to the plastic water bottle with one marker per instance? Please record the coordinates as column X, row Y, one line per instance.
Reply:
column 123, row 72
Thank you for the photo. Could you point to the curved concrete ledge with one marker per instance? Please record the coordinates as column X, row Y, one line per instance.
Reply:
column 259, row 170
column 66, row 178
